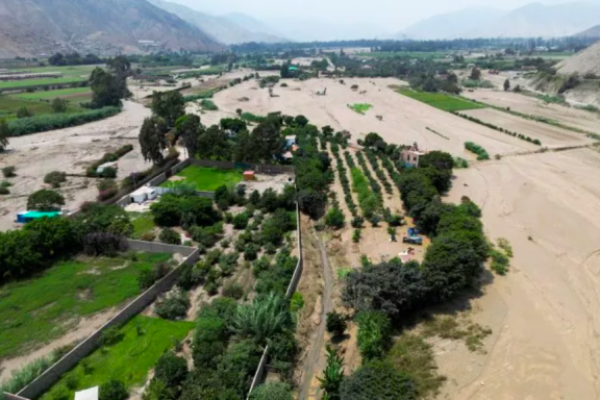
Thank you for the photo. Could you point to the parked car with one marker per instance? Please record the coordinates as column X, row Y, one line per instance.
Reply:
column 413, row 240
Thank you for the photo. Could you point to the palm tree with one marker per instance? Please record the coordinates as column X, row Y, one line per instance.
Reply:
column 262, row 319
column 333, row 375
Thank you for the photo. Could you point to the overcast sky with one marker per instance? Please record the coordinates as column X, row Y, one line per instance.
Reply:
column 393, row 15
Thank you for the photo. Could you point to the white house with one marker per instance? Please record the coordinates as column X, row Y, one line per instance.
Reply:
column 144, row 194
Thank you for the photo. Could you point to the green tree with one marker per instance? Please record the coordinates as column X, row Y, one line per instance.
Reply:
column 169, row 106
column 335, row 218
column 214, row 143
column 272, row 391
column 378, row 380
column 113, row 390
column 267, row 139
column 374, row 330
column 170, row 369
column 336, row 323
column 157, row 390
column 4, row 134
column 507, row 85
column 106, row 89
column 153, row 139
column 333, row 374
column 24, row 112
column 475, row 74
column 45, row 200
column 59, row 105
column 262, row 319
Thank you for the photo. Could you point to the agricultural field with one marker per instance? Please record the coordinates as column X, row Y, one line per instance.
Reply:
column 135, row 351
column 9, row 105
column 361, row 108
column 441, row 101
column 33, row 83
column 80, row 71
column 408, row 54
column 43, row 308
column 80, row 94
column 205, row 179
column 547, row 134
column 538, row 108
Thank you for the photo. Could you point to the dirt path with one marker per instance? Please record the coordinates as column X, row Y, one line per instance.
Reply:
column 314, row 362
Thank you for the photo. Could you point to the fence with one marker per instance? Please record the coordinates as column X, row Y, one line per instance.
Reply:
column 262, row 365
column 43, row 382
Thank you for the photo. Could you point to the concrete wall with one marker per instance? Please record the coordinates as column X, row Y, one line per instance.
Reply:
column 258, row 376
column 52, row 374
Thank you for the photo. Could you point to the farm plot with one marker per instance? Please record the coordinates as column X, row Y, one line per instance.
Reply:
column 35, row 311
column 547, row 134
column 205, row 179
column 10, row 105
column 441, row 101
column 568, row 116
column 136, row 348
column 80, row 94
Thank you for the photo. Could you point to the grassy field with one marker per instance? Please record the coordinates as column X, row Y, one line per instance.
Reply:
column 206, row 179
column 40, row 82
column 411, row 54
column 79, row 93
column 38, row 310
column 441, row 101
column 9, row 106
column 67, row 71
column 128, row 360
column 361, row 108
column 142, row 223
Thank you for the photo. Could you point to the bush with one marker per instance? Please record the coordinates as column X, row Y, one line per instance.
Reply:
column 55, row 178
column 169, row 236
column 374, row 329
column 356, row 236
column 173, row 307
column 4, row 190
column 47, row 122
column 250, row 252
column 170, row 369
column 45, row 200
column 148, row 237
column 173, row 210
column 209, row 105
column 336, row 324
column 482, row 154
column 147, row 277
column 233, row 290
column 240, row 221
column 272, row 391
column 24, row 112
column 113, row 390
column 9, row 172
column 108, row 244
column 378, row 380
column 335, row 218
column 59, row 105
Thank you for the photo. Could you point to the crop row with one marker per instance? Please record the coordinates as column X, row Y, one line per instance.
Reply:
column 343, row 174
column 368, row 200
column 499, row 129
column 379, row 172
column 375, row 186
column 389, row 166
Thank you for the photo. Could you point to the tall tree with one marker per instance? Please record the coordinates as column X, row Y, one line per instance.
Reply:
column 4, row 134
column 106, row 89
column 169, row 106
column 189, row 129
column 153, row 139
column 214, row 143
column 45, row 200
column 267, row 139
column 475, row 74
column 506, row 85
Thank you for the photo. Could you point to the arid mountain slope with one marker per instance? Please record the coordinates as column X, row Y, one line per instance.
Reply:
column 587, row 61
column 33, row 27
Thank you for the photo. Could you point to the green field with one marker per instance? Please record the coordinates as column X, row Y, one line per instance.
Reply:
column 206, row 179
column 38, row 310
column 80, row 93
column 143, row 341
column 441, row 101
column 67, row 71
column 361, row 108
column 40, row 82
column 9, row 106
column 142, row 223
column 410, row 54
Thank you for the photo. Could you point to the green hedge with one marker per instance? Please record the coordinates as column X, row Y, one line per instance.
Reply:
column 482, row 154
column 48, row 122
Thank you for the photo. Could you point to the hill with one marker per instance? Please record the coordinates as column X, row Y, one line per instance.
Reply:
column 37, row 27
column 225, row 29
column 452, row 25
column 593, row 32
column 540, row 20
column 587, row 61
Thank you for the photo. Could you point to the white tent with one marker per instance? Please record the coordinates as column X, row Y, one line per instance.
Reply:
column 87, row 394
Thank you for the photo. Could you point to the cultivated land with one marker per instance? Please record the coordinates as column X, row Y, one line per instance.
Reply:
column 143, row 341
column 404, row 120
column 205, row 179
column 70, row 150
column 81, row 94
column 38, row 310
column 569, row 116
column 550, row 136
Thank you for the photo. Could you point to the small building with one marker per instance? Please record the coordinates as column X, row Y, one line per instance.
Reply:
column 87, row 394
column 288, row 156
column 144, row 194
column 290, row 141
column 249, row 176
column 101, row 168
column 411, row 156
column 29, row 216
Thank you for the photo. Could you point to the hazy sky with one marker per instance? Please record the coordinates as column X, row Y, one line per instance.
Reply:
column 393, row 15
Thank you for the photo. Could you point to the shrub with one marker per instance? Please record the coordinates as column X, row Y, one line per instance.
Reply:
column 335, row 218
column 147, row 277
column 336, row 324
column 59, row 105
column 378, row 380
column 356, row 235
column 173, row 210
column 9, row 172
column 98, row 244
column 113, row 390
column 272, row 391
column 482, row 154
column 240, row 221
column 55, row 178
column 233, row 290
column 173, row 307
column 148, row 237
column 170, row 369
column 4, row 190
column 250, row 252
column 45, row 200
column 373, row 334
column 24, row 112
column 209, row 105
column 169, row 236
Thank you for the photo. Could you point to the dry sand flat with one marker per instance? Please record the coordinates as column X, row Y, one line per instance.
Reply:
column 544, row 313
column 70, row 150
column 404, row 120
column 549, row 135
column 568, row 116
